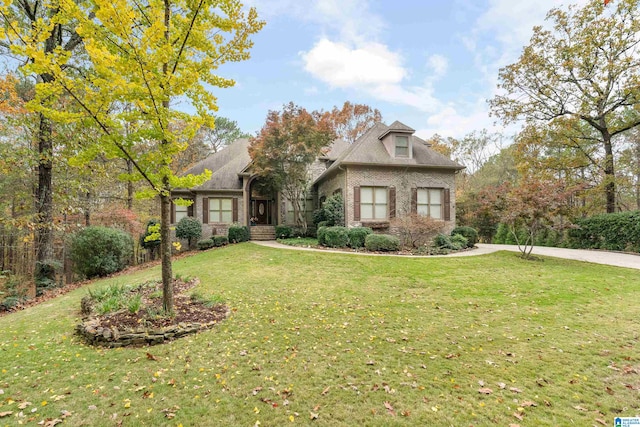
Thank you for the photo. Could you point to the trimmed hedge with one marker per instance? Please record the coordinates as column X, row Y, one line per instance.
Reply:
column 382, row 243
column 336, row 237
column 205, row 244
column 188, row 228
column 238, row 233
column 357, row 236
column 469, row 232
column 283, row 232
column 220, row 241
column 100, row 251
column 321, row 234
column 615, row 231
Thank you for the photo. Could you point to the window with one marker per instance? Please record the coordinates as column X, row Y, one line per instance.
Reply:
column 181, row 212
column 402, row 146
column 373, row 203
column 221, row 210
column 430, row 202
column 308, row 207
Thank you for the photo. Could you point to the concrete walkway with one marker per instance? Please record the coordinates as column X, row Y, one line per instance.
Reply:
column 598, row 257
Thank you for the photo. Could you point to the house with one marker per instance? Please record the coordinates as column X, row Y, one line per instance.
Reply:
column 388, row 172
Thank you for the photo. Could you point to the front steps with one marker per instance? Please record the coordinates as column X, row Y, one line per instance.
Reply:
column 263, row 232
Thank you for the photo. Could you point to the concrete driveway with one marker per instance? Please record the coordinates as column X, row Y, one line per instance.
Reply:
column 598, row 257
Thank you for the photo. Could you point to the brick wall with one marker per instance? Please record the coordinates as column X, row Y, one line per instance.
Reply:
column 403, row 179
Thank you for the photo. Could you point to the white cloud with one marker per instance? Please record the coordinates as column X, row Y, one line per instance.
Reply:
column 438, row 64
column 341, row 66
column 371, row 68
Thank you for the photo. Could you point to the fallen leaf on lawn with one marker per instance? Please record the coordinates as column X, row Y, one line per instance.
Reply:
column 5, row 414
column 601, row 421
column 608, row 390
column 451, row 356
column 514, row 425
column 325, row 391
column 502, row 385
column 151, row 357
column 518, row 415
column 481, row 383
column 65, row 414
column 528, row 403
column 371, row 362
column 405, row 413
column 23, row 405
column 389, row 408
column 52, row 423
column 313, row 415
column 485, row 390
column 580, row 408
column 515, row 389
column 256, row 390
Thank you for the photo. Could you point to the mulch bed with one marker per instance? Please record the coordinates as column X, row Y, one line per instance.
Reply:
column 185, row 310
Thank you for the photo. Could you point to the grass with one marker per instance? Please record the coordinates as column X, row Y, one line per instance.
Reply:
column 353, row 340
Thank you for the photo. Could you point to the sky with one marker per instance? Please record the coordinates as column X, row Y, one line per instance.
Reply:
column 431, row 64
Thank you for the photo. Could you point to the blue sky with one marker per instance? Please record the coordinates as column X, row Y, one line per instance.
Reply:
column 430, row 64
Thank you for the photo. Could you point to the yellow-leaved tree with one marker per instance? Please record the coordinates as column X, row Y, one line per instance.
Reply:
column 142, row 56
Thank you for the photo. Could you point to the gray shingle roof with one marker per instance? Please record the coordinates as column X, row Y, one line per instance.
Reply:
column 369, row 150
column 225, row 166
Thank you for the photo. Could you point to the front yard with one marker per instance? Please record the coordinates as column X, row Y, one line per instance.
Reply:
column 339, row 339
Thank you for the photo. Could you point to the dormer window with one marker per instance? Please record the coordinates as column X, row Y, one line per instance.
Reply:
column 402, row 146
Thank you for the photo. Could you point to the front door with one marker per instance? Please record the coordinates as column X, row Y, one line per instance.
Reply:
column 262, row 211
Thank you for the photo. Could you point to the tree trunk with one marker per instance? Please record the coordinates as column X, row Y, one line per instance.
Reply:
column 129, row 185
column 165, row 251
column 609, row 175
column 43, row 196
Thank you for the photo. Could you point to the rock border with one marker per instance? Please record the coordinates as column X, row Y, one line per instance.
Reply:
column 101, row 336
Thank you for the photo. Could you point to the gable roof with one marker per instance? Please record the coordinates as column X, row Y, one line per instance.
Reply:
column 396, row 127
column 369, row 150
column 225, row 166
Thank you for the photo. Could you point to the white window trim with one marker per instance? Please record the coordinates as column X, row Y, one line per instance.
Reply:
column 217, row 213
column 374, row 204
column 395, row 147
column 429, row 204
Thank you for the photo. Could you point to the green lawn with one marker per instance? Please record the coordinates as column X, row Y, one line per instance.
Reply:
column 339, row 339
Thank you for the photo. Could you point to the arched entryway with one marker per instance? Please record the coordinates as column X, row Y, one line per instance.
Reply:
column 262, row 207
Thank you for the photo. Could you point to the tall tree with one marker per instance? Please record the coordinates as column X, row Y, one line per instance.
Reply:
column 148, row 54
column 352, row 120
column 30, row 29
column 586, row 68
column 284, row 149
column 208, row 140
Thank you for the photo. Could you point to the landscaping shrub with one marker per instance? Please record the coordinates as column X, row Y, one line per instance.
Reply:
column 99, row 251
column 416, row 230
column 458, row 241
column 283, row 232
column 444, row 241
column 357, row 235
column 189, row 228
column 205, row 244
column 321, row 234
column 615, row 231
column 336, row 237
column 331, row 212
column 238, row 233
column 381, row 242
column 220, row 241
column 150, row 239
column 45, row 275
column 469, row 232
